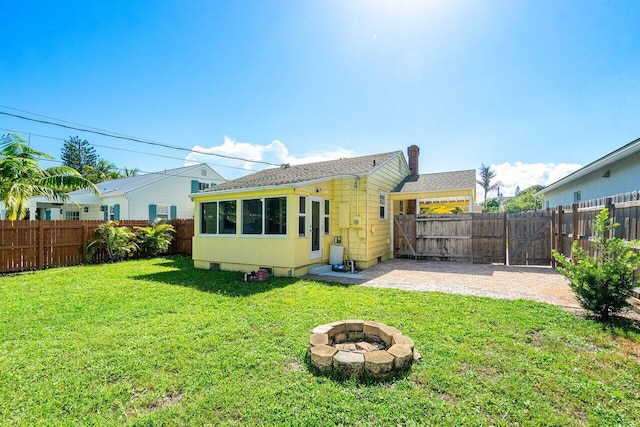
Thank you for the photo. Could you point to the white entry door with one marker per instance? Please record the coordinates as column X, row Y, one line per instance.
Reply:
column 315, row 227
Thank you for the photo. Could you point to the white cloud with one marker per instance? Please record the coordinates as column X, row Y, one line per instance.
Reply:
column 524, row 175
column 276, row 153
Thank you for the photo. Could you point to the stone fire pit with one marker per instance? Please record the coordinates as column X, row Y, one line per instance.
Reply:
column 358, row 347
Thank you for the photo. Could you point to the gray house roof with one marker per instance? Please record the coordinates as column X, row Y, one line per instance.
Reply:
column 130, row 183
column 308, row 172
column 440, row 181
column 621, row 153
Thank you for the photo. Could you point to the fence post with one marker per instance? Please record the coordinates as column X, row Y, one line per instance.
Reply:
column 85, row 241
column 40, row 244
column 559, row 244
column 576, row 221
column 608, row 203
column 505, row 237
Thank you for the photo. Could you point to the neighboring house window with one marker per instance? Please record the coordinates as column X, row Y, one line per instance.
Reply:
column 401, row 207
column 72, row 215
column 202, row 186
column 112, row 213
column 547, row 204
column 327, row 211
column 302, row 217
column 252, row 216
column 275, row 218
column 383, row 205
column 203, row 172
column 162, row 211
column 577, row 197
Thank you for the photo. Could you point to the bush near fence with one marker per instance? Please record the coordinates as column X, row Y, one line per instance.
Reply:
column 32, row 245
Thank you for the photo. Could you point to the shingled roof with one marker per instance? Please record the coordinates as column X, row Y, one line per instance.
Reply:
column 440, row 181
column 307, row 172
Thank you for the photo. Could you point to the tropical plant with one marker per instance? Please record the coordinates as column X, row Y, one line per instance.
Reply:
column 130, row 172
column 103, row 170
column 602, row 283
column 118, row 242
column 524, row 200
column 21, row 177
column 486, row 181
column 78, row 154
column 155, row 238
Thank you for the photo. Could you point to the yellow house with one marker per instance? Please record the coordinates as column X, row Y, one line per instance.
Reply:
column 289, row 218
column 436, row 193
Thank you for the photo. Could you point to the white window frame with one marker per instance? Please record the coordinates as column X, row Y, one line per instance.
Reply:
column 327, row 216
column 302, row 215
column 383, row 205
column 163, row 215
column 74, row 214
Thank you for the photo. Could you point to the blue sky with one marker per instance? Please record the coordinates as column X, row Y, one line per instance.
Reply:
column 534, row 88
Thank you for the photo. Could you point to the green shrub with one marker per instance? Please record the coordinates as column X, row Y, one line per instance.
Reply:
column 118, row 242
column 155, row 238
column 602, row 283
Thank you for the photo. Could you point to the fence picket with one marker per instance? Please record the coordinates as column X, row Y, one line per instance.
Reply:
column 30, row 245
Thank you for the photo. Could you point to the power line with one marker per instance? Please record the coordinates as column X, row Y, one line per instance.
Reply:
column 134, row 139
column 144, row 173
column 127, row 150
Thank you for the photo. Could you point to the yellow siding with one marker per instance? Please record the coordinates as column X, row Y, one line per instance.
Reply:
column 291, row 254
column 378, row 231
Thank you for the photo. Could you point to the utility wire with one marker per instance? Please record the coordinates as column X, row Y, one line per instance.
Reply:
column 142, row 141
column 143, row 173
column 127, row 150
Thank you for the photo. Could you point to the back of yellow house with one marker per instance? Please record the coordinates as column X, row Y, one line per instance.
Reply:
column 286, row 219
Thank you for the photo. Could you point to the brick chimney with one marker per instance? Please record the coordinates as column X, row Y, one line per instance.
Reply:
column 413, row 151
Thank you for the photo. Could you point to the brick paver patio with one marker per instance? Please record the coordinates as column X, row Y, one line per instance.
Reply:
column 536, row 283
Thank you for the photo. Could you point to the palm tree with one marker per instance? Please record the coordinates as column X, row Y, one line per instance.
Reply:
column 21, row 177
column 102, row 171
column 131, row 172
column 486, row 175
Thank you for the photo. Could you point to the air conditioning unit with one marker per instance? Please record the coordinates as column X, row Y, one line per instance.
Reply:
column 357, row 222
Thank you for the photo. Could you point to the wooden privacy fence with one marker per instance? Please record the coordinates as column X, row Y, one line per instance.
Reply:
column 30, row 245
column 575, row 222
column 517, row 239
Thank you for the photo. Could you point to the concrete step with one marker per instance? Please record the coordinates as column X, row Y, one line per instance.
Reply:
column 319, row 269
column 635, row 292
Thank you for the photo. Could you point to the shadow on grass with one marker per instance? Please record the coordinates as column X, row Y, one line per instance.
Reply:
column 228, row 283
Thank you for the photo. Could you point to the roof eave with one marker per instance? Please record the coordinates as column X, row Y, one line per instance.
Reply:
column 621, row 153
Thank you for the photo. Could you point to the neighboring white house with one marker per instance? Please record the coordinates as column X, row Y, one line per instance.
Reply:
column 163, row 194
column 617, row 172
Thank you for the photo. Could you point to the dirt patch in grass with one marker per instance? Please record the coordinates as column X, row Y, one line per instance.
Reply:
column 535, row 338
column 293, row 365
column 629, row 348
column 163, row 402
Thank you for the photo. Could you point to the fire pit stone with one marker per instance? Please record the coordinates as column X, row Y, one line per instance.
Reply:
column 356, row 347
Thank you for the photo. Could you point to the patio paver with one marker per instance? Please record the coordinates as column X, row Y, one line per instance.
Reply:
column 536, row 283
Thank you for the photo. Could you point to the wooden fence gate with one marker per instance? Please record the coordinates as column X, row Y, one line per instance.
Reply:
column 516, row 239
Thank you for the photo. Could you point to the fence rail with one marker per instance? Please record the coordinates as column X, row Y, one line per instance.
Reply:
column 575, row 222
column 518, row 239
column 31, row 245
column 477, row 238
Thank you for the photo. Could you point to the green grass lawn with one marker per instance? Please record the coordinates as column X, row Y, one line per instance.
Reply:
column 157, row 342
